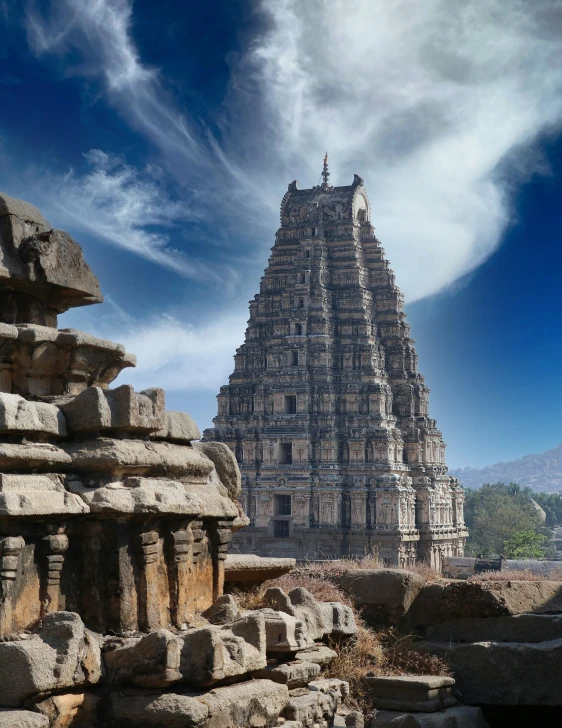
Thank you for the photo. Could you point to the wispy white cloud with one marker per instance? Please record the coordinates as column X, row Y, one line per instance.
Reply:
column 101, row 31
column 118, row 204
column 425, row 100
column 182, row 357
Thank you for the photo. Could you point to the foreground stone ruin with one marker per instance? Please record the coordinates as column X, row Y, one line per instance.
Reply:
column 114, row 530
column 501, row 639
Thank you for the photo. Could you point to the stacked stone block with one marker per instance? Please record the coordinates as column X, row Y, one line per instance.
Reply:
column 114, row 530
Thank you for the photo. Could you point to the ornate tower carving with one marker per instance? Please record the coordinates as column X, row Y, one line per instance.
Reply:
column 326, row 411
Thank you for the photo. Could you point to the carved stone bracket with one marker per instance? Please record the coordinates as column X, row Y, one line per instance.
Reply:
column 222, row 536
column 198, row 535
column 10, row 548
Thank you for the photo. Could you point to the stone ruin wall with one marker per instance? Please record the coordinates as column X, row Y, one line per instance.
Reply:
column 114, row 529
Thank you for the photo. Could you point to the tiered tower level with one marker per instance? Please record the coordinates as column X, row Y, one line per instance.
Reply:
column 326, row 411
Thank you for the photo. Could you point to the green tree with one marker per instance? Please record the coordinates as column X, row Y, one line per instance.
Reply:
column 526, row 545
column 496, row 513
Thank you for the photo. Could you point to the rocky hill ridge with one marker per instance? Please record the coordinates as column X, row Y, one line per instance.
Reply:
column 541, row 472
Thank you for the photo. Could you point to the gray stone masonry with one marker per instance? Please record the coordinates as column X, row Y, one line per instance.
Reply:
column 326, row 410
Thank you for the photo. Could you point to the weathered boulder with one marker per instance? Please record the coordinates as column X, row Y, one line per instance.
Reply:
column 144, row 495
column 225, row 463
column 22, row 719
column 121, row 408
column 222, row 611
column 504, row 673
column 460, row 716
column 292, row 674
column 354, row 719
column 17, row 415
column 320, row 654
column 253, row 703
column 42, row 264
column 519, row 628
column 150, row 661
column 425, row 694
column 383, row 595
column 158, row 459
column 300, row 604
column 37, row 495
column 199, row 657
column 38, row 456
column 210, row 654
column 284, row 633
column 249, row 569
column 339, row 619
column 62, row 654
column 135, row 708
column 320, row 702
column 320, row 618
column 178, row 427
column 71, row 710
column 447, row 602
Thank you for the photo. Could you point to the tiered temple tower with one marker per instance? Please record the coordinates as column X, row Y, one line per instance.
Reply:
column 326, row 411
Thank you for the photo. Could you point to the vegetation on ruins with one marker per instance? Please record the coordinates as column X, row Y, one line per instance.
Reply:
column 370, row 652
column 502, row 519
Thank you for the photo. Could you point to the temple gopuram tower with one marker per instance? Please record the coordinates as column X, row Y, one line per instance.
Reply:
column 326, row 411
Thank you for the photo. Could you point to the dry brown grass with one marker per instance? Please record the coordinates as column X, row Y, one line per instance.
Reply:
column 424, row 570
column 251, row 599
column 402, row 657
column 516, row 575
column 321, row 587
column 372, row 653
column 338, row 568
column 356, row 658
column 317, row 584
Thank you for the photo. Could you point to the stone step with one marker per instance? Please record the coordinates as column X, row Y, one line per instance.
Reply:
column 504, row 673
column 419, row 693
column 519, row 628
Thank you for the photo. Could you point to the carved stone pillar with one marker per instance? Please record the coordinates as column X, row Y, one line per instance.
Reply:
column 180, row 570
column 10, row 548
column 202, row 579
column 222, row 536
column 55, row 547
column 150, row 598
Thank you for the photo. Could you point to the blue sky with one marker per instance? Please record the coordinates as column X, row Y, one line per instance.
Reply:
column 163, row 136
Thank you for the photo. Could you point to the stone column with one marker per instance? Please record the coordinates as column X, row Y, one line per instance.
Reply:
column 180, row 573
column 10, row 548
column 55, row 547
column 150, row 597
column 222, row 536
column 202, row 560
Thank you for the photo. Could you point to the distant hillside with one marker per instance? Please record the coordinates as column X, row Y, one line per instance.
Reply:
column 542, row 473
